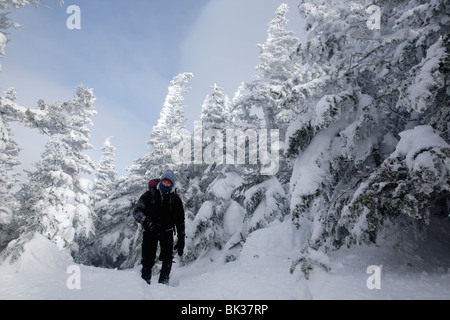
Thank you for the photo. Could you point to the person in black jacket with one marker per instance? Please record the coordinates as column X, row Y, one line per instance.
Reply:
column 160, row 210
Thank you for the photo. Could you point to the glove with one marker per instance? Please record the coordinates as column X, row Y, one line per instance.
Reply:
column 150, row 226
column 180, row 245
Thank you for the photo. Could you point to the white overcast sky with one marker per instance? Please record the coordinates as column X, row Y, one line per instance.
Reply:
column 128, row 52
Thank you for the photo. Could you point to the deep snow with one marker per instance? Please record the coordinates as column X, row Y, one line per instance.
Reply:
column 421, row 271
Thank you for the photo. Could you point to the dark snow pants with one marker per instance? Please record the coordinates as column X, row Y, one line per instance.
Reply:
column 149, row 248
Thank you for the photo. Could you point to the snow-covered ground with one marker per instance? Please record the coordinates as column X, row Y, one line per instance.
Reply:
column 421, row 271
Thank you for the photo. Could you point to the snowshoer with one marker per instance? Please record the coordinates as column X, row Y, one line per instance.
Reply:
column 160, row 210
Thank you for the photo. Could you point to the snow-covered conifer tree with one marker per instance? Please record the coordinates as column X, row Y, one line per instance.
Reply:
column 9, row 162
column 242, row 113
column 9, row 150
column 215, row 110
column 118, row 237
column 279, row 65
column 105, row 176
column 273, row 92
column 171, row 120
column 55, row 201
column 236, row 199
column 363, row 87
column 206, row 204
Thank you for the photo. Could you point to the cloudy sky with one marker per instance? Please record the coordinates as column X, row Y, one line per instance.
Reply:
column 128, row 52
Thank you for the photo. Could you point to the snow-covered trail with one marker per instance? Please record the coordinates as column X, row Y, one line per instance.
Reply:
column 261, row 273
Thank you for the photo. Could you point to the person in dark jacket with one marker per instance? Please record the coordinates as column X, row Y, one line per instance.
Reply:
column 159, row 211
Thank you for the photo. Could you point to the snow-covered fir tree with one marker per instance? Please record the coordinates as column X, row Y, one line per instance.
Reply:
column 118, row 236
column 105, row 175
column 362, row 89
column 206, row 206
column 215, row 110
column 279, row 66
column 9, row 162
column 55, row 200
column 236, row 199
column 171, row 121
column 48, row 198
column 9, row 178
column 214, row 115
column 48, row 120
column 10, row 111
column 179, row 137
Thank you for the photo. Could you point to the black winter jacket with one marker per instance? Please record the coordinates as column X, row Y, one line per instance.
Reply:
column 167, row 211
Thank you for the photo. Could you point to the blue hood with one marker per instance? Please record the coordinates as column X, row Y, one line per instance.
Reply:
column 169, row 175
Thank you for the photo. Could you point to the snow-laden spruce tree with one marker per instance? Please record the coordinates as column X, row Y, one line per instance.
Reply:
column 55, row 200
column 218, row 223
column 170, row 124
column 9, row 162
column 369, row 88
column 105, row 173
column 242, row 113
column 215, row 110
column 270, row 96
column 206, row 201
column 47, row 119
column 413, row 182
column 9, row 178
column 239, row 195
column 263, row 193
column 214, row 119
column 9, row 110
column 279, row 67
column 4, row 134
column 118, row 239
column 260, row 198
column 236, row 198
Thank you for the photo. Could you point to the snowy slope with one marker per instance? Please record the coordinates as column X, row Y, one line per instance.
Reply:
column 422, row 271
